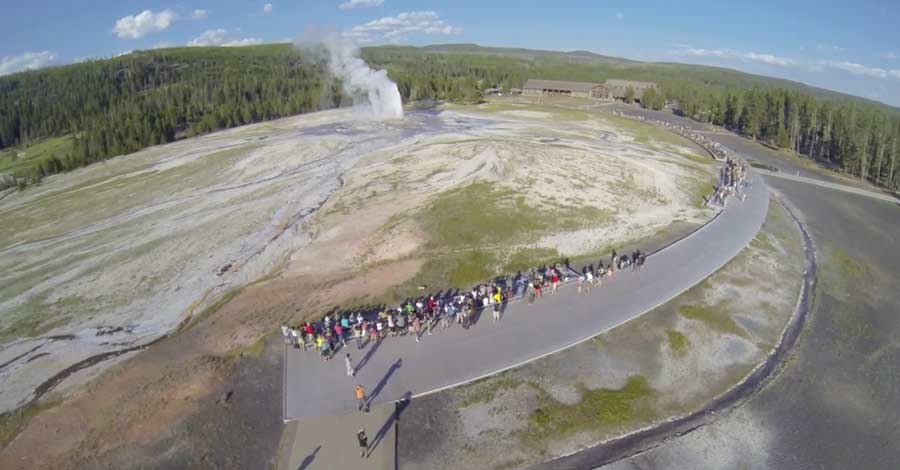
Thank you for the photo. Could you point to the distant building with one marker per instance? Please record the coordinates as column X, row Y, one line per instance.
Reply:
column 618, row 88
column 612, row 89
column 562, row 88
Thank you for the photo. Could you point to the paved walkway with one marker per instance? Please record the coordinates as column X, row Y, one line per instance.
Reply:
column 400, row 367
column 327, row 443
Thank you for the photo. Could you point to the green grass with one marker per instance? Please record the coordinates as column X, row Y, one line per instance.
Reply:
column 527, row 258
column 13, row 422
column 678, row 342
column 485, row 390
column 716, row 317
column 472, row 268
column 597, row 409
column 470, row 227
column 703, row 158
column 478, row 215
column 761, row 242
column 34, row 154
column 647, row 133
column 701, row 188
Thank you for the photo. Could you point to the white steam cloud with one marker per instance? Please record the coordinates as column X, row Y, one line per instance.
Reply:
column 373, row 93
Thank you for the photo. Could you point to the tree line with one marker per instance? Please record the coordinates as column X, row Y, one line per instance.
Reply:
column 853, row 137
column 120, row 105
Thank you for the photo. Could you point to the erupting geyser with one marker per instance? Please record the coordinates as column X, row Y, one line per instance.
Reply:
column 372, row 91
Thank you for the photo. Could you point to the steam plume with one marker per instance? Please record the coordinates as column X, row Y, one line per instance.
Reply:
column 373, row 93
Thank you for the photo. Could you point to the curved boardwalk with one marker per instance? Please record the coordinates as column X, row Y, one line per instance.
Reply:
column 399, row 367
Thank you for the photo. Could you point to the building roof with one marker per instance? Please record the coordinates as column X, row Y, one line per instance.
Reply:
column 583, row 87
column 612, row 82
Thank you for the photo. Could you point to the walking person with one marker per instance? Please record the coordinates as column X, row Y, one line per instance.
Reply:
column 350, row 370
column 417, row 327
column 363, row 442
column 361, row 398
column 447, row 316
column 339, row 335
column 497, row 313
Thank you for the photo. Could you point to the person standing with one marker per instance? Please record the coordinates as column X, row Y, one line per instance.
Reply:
column 361, row 398
column 350, row 370
column 417, row 327
column 363, row 442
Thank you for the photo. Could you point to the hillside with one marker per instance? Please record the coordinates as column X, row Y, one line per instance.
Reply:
column 61, row 118
column 627, row 68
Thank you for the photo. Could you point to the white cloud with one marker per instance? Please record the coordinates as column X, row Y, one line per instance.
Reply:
column 25, row 61
column 142, row 24
column 890, row 55
column 860, row 69
column 163, row 45
column 220, row 37
column 830, row 48
column 768, row 59
column 620, row 16
column 267, row 8
column 396, row 28
column 737, row 55
column 200, row 14
column 359, row 4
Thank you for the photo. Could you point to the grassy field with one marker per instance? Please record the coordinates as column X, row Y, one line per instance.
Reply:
column 678, row 342
column 597, row 409
column 716, row 316
column 21, row 161
column 471, row 229
column 648, row 133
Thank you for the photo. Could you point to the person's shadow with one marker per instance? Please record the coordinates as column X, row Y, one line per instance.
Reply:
column 384, row 380
column 399, row 406
column 369, row 354
column 309, row 459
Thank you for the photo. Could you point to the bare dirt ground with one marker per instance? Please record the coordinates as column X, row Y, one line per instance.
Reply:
column 334, row 203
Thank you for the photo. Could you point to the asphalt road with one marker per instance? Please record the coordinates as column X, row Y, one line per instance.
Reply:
column 401, row 367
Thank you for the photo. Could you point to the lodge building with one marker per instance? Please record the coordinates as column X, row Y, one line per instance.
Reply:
column 612, row 89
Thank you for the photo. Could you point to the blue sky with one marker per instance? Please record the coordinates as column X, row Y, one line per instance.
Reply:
column 852, row 47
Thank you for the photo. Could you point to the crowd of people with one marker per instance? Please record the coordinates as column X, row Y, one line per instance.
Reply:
column 418, row 317
column 720, row 151
column 732, row 181
column 732, row 175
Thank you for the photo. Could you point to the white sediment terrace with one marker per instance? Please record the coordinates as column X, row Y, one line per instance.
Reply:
column 117, row 254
